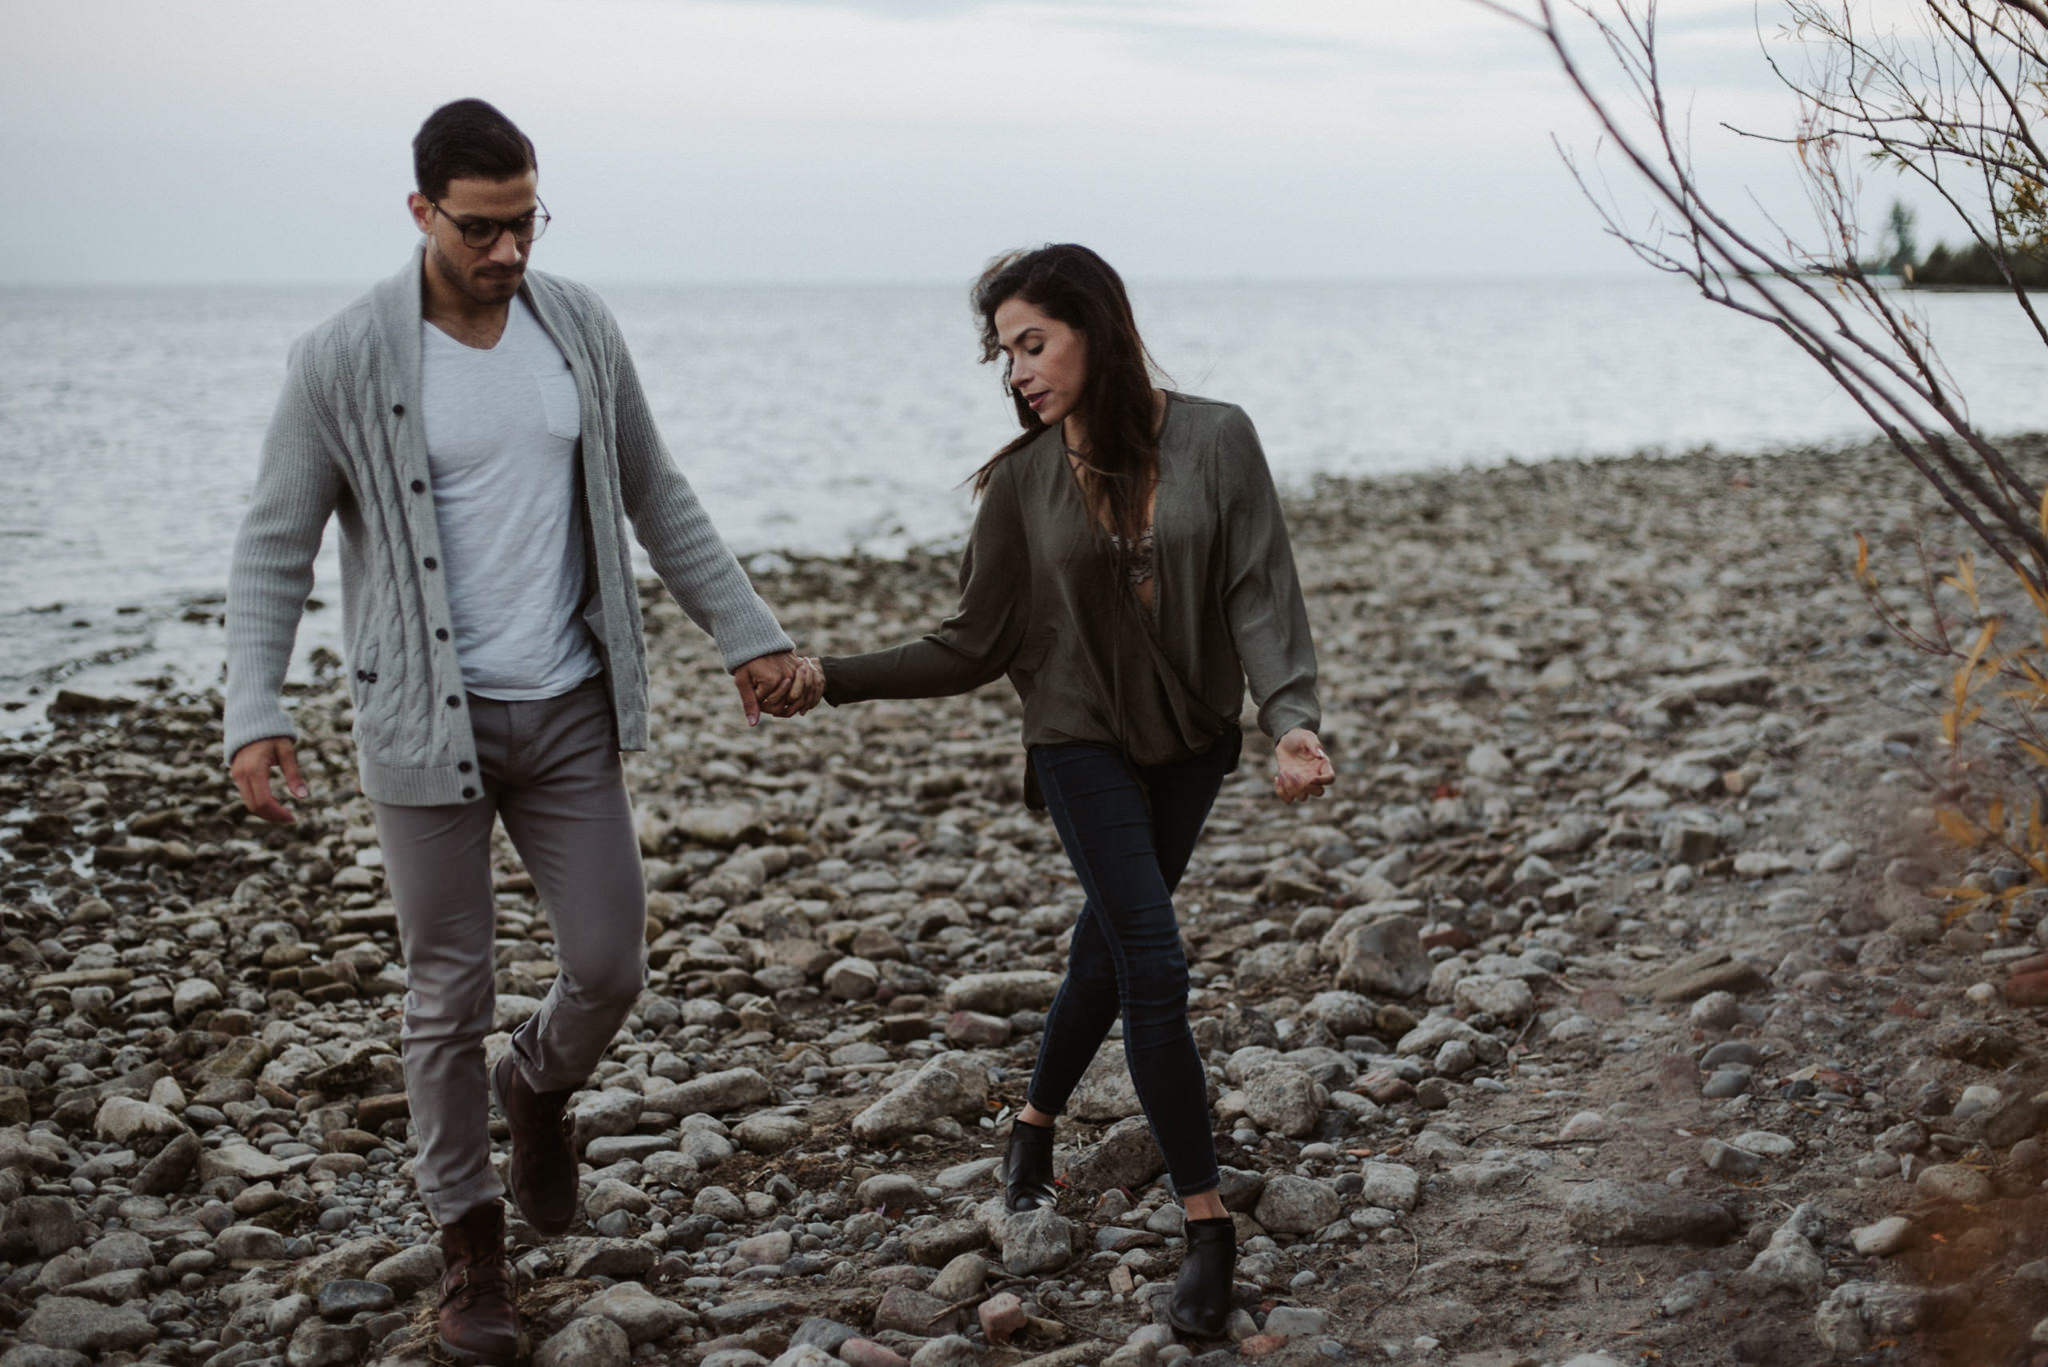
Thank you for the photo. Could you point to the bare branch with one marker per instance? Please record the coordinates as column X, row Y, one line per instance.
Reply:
column 1954, row 105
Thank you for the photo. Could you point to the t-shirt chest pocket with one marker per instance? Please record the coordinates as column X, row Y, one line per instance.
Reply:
column 558, row 399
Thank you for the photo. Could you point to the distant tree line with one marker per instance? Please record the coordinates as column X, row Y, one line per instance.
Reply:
column 1972, row 266
column 1975, row 265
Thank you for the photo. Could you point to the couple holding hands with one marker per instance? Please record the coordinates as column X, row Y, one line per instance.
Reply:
column 479, row 434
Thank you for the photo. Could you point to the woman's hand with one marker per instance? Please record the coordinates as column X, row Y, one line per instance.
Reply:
column 799, row 692
column 1305, row 771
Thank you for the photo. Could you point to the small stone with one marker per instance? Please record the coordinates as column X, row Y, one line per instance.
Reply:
column 586, row 1341
column 1003, row 994
column 948, row 1085
column 911, row 1311
column 644, row 1316
column 248, row 1245
column 1503, row 998
column 863, row 1352
column 340, row 1300
column 410, row 1270
column 1766, row 1143
column 86, row 1326
column 1728, row 1160
column 1002, row 1315
column 765, row 1250
column 852, row 979
column 612, row 1194
column 1954, row 1183
column 1611, row 1212
column 1881, row 1240
column 1296, row 1205
column 1856, row 1314
column 1390, row 1186
column 717, row 1093
column 1296, row 1321
column 1790, row 1262
column 1726, row 1083
column 770, row 1132
column 194, row 995
column 1586, row 1125
column 977, row 1030
column 135, row 1124
column 1285, row 1101
column 1037, row 1241
column 1716, row 1011
column 950, row 1350
column 618, row 1259
column 242, row 1161
column 1836, row 857
column 50, row 1224
column 963, row 1276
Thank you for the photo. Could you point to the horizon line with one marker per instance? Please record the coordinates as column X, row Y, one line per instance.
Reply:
column 844, row 282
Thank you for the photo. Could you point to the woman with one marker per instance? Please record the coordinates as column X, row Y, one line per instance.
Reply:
column 1129, row 571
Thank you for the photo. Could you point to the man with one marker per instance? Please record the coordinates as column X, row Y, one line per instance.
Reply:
column 481, row 434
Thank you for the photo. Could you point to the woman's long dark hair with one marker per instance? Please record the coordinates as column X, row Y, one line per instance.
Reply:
column 1080, row 289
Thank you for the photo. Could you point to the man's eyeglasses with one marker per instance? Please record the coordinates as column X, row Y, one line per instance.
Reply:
column 480, row 234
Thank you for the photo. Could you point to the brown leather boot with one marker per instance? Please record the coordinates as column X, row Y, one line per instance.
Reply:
column 543, row 1171
column 477, row 1319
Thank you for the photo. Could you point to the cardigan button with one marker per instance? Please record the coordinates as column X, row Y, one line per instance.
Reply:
column 469, row 792
column 398, row 409
column 465, row 766
column 431, row 563
column 440, row 633
column 454, row 701
column 419, row 486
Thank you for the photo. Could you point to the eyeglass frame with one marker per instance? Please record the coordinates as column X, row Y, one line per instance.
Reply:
column 538, row 219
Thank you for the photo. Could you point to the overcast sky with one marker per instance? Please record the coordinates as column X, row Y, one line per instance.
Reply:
column 830, row 140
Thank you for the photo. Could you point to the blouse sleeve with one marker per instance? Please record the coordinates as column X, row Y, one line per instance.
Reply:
column 1261, row 593
column 976, row 644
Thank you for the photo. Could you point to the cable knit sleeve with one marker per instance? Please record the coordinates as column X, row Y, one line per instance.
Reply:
column 298, row 483
column 1261, row 593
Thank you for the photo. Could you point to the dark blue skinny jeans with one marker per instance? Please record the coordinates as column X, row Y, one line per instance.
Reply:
column 1129, row 831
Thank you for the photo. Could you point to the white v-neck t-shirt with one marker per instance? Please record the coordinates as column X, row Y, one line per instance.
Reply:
column 501, row 427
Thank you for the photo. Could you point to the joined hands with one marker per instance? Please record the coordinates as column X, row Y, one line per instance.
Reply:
column 782, row 685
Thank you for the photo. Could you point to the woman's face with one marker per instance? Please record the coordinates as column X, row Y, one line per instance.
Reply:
column 1048, row 360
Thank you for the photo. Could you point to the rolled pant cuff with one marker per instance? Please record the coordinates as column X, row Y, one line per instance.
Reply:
column 449, row 1204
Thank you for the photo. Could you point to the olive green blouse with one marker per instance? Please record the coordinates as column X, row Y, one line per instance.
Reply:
column 1043, row 600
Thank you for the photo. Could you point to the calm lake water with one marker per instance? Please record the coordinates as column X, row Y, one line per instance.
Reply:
column 828, row 419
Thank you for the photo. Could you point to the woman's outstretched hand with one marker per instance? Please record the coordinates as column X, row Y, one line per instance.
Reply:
column 1305, row 771
column 798, row 691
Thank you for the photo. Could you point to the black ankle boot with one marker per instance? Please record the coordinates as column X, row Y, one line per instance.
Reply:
column 1200, row 1305
column 1027, row 1168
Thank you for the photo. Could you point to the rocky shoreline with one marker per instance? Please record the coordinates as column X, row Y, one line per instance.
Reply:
column 1601, row 1016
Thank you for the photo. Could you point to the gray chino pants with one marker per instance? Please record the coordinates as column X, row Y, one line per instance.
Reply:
column 551, row 770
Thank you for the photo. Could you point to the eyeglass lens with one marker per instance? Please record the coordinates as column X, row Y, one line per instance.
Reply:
column 485, row 233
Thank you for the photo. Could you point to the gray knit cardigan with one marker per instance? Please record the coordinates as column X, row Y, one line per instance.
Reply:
column 347, row 442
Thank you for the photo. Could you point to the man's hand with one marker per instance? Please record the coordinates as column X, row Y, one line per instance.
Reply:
column 1305, row 771
column 251, row 769
column 769, row 683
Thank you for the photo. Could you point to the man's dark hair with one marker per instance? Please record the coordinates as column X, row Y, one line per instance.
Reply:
column 468, row 138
